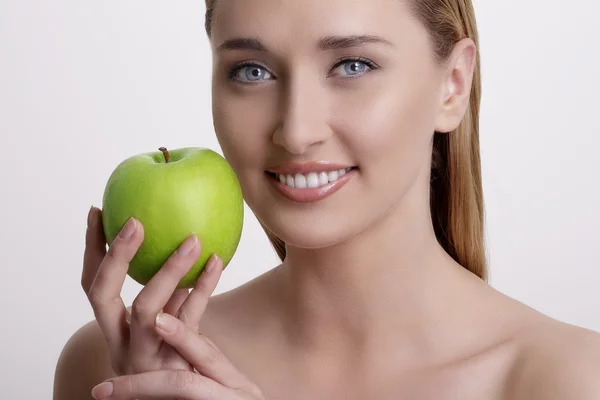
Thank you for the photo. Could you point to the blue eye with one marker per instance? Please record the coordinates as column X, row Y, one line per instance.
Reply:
column 250, row 73
column 353, row 67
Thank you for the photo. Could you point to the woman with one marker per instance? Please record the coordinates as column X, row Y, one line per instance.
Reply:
column 353, row 128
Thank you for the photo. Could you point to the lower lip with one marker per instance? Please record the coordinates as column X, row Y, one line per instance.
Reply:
column 309, row 195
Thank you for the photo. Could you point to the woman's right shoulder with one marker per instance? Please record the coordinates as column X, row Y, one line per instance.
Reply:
column 83, row 363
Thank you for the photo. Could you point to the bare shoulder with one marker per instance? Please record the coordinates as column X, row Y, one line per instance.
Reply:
column 557, row 361
column 241, row 311
column 83, row 363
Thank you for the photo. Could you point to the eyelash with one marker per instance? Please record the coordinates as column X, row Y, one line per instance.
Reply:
column 233, row 71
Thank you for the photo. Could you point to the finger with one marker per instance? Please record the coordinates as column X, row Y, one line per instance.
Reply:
column 105, row 291
column 176, row 300
column 153, row 298
column 163, row 384
column 193, row 307
column 200, row 352
column 95, row 248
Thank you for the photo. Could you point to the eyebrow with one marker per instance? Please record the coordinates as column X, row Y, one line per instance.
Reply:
column 325, row 43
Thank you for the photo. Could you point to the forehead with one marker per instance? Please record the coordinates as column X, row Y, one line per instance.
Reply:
column 284, row 22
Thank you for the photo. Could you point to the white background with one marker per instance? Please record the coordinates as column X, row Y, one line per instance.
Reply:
column 84, row 85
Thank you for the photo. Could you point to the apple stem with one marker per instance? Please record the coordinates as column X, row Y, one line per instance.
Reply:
column 166, row 153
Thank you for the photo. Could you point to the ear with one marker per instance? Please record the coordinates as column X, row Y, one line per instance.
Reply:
column 455, row 90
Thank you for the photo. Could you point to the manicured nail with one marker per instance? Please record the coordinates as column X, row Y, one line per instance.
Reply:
column 166, row 322
column 102, row 390
column 91, row 219
column 128, row 229
column 188, row 245
column 212, row 262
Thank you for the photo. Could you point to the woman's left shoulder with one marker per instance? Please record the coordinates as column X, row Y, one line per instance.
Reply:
column 556, row 361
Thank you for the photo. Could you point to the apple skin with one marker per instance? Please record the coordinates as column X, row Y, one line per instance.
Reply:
column 196, row 192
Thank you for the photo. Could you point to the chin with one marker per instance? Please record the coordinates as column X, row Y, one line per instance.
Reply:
column 313, row 233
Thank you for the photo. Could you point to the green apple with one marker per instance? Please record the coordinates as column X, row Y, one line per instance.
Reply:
column 175, row 194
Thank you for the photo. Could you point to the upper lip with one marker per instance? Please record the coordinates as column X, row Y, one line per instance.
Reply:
column 303, row 168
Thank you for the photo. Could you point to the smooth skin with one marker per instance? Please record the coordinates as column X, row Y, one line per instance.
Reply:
column 366, row 305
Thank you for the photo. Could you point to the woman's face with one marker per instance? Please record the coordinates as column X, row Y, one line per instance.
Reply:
column 290, row 85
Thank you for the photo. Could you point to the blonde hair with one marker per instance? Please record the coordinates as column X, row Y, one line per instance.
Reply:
column 456, row 199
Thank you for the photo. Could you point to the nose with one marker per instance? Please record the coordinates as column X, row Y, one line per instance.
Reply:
column 303, row 121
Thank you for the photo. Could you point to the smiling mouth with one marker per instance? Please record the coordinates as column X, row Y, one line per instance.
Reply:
column 310, row 180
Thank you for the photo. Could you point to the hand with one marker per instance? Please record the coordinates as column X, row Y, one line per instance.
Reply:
column 138, row 347
column 134, row 346
column 217, row 378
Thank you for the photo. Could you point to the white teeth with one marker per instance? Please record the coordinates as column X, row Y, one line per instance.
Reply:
column 323, row 179
column 300, row 181
column 312, row 179
column 289, row 180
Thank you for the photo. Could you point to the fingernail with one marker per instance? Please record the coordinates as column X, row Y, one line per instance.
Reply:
column 165, row 322
column 102, row 390
column 91, row 219
column 188, row 245
column 128, row 229
column 212, row 261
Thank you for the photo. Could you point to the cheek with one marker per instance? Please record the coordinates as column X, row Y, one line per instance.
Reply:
column 388, row 126
column 242, row 128
column 237, row 124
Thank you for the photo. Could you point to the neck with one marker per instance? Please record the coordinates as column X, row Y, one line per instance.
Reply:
column 392, row 285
